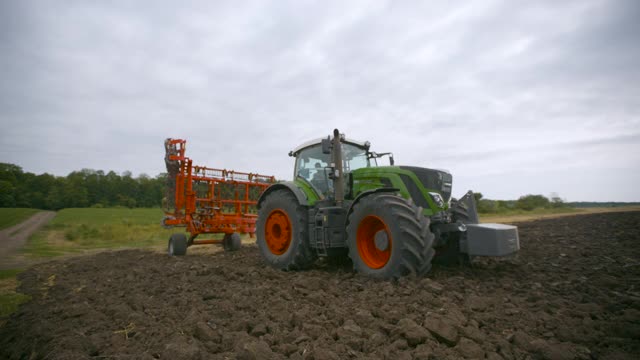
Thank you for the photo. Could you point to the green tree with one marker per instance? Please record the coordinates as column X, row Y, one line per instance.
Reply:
column 556, row 201
column 487, row 206
column 10, row 173
column 83, row 188
column 7, row 198
column 530, row 202
column 75, row 190
column 55, row 198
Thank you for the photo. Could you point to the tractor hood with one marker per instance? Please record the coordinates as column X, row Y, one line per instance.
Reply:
column 433, row 179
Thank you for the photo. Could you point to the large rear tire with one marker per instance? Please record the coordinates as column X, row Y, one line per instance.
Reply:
column 282, row 233
column 389, row 237
column 177, row 245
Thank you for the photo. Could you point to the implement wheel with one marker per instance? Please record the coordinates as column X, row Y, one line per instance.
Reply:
column 231, row 242
column 282, row 232
column 177, row 245
column 389, row 237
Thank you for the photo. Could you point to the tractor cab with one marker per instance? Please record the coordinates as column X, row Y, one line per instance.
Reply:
column 315, row 164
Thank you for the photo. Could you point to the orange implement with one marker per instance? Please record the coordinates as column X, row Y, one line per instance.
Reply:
column 209, row 201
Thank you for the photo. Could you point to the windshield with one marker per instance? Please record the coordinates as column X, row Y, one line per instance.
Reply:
column 311, row 162
column 315, row 167
column 355, row 158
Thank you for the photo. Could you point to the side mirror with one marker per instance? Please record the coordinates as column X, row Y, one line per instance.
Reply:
column 391, row 162
column 326, row 146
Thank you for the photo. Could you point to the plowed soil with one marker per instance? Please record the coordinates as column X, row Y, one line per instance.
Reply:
column 572, row 293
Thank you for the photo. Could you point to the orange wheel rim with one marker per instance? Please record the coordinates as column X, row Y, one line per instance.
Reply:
column 374, row 255
column 278, row 232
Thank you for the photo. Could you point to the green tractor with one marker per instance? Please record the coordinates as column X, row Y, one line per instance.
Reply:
column 392, row 221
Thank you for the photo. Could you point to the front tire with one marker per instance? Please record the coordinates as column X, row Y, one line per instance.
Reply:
column 177, row 245
column 231, row 242
column 389, row 237
column 282, row 232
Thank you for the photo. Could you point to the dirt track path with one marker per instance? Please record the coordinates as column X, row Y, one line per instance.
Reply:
column 14, row 238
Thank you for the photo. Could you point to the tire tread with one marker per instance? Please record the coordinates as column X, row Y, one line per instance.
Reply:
column 303, row 256
column 417, row 239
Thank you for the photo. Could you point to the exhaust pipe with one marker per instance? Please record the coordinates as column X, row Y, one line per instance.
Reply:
column 338, row 176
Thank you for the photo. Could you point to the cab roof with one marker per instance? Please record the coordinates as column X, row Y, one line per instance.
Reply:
column 310, row 143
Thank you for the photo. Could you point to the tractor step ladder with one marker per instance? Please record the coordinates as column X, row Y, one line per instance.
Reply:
column 321, row 236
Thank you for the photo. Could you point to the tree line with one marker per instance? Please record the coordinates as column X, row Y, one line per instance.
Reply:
column 84, row 188
column 525, row 202
column 95, row 188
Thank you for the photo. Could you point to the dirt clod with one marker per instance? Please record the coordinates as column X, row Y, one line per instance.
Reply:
column 255, row 350
column 412, row 332
column 469, row 349
column 539, row 305
column 442, row 330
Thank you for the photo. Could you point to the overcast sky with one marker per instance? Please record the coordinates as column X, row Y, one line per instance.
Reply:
column 513, row 97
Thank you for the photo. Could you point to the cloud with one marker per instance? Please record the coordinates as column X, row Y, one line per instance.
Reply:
column 485, row 89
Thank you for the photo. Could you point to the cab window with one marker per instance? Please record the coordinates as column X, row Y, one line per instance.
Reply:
column 313, row 166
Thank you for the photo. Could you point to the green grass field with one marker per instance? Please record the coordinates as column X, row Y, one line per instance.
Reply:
column 10, row 301
column 9, row 273
column 13, row 216
column 9, row 298
column 517, row 213
column 78, row 230
column 109, row 216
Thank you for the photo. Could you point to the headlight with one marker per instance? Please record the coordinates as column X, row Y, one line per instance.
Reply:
column 437, row 199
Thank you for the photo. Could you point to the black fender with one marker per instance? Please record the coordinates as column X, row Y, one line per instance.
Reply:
column 287, row 185
column 367, row 193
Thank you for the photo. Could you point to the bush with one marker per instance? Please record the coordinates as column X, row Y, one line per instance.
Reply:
column 530, row 202
column 557, row 202
column 524, row 203
column 487, row 206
